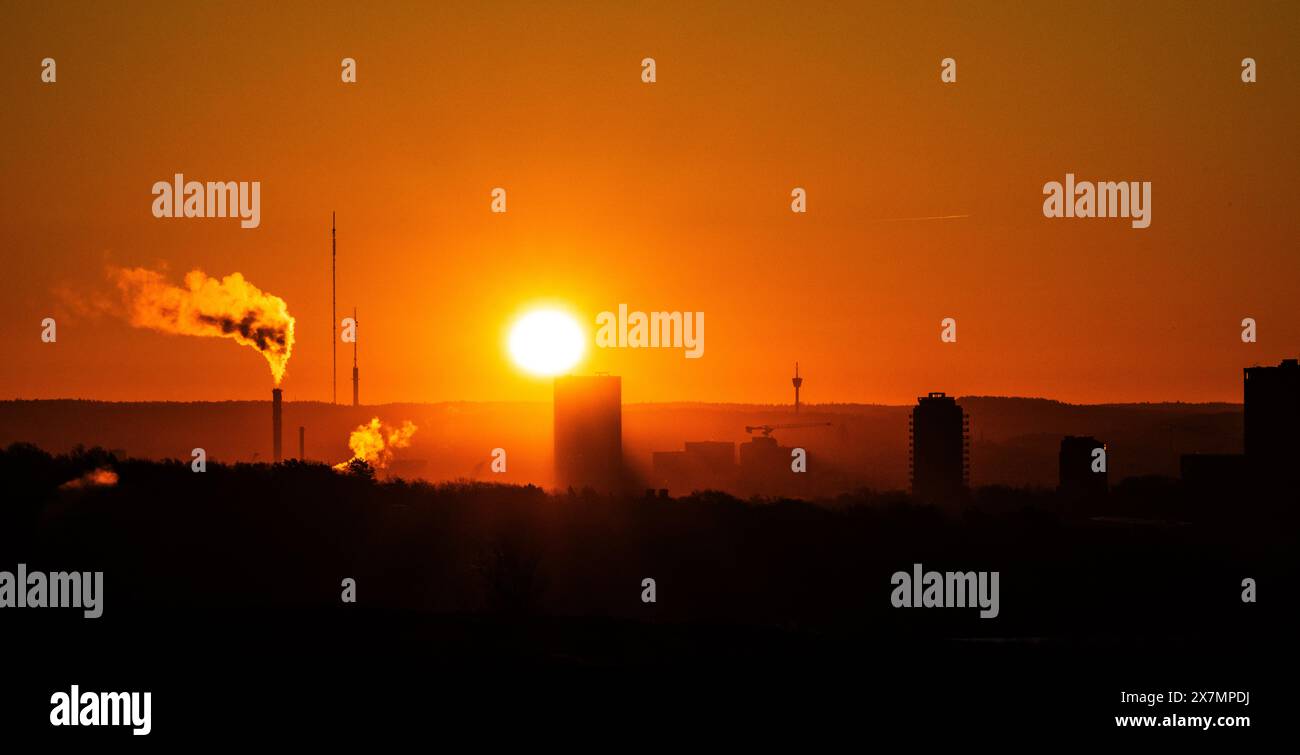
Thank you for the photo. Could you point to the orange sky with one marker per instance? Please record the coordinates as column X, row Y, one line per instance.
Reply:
column 671, row 196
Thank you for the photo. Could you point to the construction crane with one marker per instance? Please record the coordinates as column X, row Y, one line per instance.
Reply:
column 767, row 429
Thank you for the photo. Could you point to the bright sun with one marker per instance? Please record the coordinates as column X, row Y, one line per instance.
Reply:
column 546, row 342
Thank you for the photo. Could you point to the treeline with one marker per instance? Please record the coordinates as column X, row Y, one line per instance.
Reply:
column 287, row 535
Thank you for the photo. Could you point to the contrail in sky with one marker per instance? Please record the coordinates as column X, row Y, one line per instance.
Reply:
column 925, row 217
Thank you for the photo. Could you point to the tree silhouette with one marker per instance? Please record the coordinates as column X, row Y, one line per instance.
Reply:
column 361, row 468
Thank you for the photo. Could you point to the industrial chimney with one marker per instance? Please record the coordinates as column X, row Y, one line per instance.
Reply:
column 276, row 395
column 302, row 443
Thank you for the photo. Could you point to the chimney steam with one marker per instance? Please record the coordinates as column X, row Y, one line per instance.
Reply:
column 228, row 307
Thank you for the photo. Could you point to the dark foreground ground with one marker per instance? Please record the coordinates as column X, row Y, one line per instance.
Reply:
column 307, row 676
column 495, row 614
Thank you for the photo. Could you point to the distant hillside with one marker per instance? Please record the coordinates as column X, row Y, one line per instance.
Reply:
column 1014, row 441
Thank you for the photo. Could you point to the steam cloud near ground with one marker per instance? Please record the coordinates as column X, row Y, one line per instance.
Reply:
column 374, row 442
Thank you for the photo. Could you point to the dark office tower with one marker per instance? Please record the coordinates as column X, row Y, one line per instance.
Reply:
column 589, row 432
column 1272, row 418
column 1077, row 478
column 939, row 449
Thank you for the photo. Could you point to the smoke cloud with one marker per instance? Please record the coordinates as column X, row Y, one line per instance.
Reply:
column 227, row 308
column 374, row 443
column 96, row 478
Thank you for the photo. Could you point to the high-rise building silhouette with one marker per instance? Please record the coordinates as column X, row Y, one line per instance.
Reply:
column 589, row 432
column 1077, row 460
column 1272, row 418
column 1270, row 437
column 939, row 449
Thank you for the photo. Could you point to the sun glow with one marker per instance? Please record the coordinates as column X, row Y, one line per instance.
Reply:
column 546, row 342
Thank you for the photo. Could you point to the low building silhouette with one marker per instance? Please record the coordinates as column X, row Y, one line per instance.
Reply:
column 765, row 467
column 703, row 465
column 1216, row 473
column 1077, row 473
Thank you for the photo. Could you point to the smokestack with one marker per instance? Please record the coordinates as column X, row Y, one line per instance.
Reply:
column 276, row 395
column 302, row 443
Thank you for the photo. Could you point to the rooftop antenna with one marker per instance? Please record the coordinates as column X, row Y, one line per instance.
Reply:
column 798, row 381
column 334, row 338
column 356, row 378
